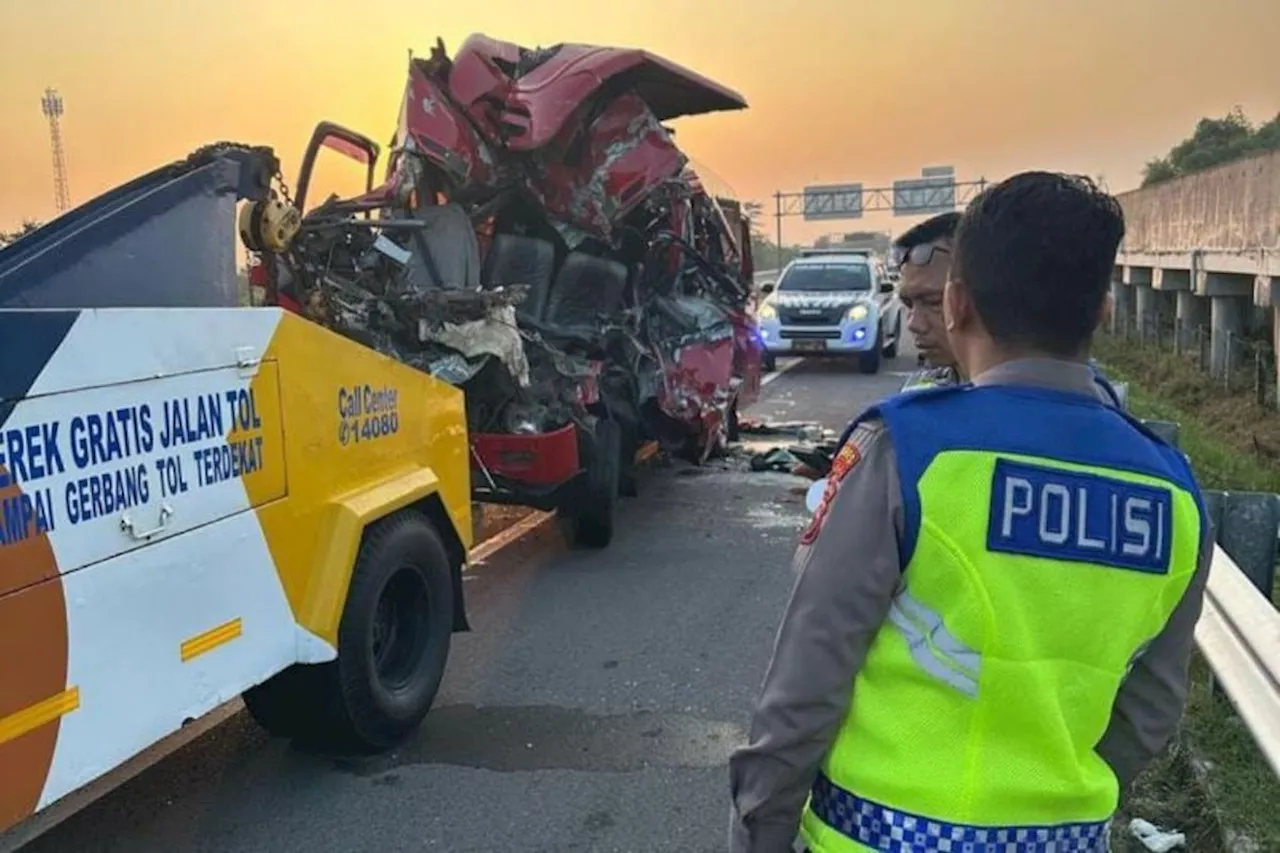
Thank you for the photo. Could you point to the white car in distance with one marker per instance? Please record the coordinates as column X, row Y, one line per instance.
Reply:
column 831, row 303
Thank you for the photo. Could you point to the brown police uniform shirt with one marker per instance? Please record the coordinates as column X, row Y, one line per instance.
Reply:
column 846, row 580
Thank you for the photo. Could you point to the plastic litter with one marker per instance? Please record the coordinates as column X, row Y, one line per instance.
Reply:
column 1154, row 838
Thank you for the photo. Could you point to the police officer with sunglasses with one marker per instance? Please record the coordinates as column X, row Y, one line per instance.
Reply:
column 923, row 256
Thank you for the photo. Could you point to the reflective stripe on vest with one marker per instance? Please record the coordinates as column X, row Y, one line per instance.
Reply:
column 1047, row 539
column 932, row 646
column 877, row 827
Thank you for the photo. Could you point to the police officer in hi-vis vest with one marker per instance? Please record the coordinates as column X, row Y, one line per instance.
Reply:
column 922, row 254
column 989, row 634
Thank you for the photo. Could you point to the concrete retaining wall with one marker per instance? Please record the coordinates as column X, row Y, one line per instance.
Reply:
column 1235, row 206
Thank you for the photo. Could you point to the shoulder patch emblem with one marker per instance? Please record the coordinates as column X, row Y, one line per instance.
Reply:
column 845, row 460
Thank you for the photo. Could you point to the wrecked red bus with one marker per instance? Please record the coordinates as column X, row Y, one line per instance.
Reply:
column 540, row 241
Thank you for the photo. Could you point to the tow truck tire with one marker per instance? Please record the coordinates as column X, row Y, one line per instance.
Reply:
column 588, row 521
column 393, row 642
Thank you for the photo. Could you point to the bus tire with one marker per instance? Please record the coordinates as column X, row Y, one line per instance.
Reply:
column 393, row 642
column 588, row 521
column 628, row 477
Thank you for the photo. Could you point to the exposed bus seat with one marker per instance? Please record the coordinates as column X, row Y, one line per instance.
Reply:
column 586, row 289
column 517, row 260
column 445, row 254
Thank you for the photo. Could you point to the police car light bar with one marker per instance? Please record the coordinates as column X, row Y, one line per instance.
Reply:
column 810, row 253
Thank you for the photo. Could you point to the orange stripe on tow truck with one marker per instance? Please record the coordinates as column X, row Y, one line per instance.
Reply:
column 34, row 716
column 211, row 639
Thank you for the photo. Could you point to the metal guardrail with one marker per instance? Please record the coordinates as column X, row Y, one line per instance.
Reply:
column 1239, row 628
column 1239, row 635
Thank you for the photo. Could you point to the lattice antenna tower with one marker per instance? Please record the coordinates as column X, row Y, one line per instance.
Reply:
column 53, row 109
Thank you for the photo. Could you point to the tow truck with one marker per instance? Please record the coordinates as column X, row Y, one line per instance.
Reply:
column 200, row 501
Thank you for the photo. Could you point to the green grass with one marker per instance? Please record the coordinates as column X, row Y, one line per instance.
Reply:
column 1211, row 783
column 1218, row 465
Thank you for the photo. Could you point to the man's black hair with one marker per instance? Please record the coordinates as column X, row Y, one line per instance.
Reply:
column 931, row 230
column 1036, row 251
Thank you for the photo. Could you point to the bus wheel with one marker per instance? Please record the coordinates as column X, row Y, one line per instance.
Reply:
column 588, row 520
column 393, row 642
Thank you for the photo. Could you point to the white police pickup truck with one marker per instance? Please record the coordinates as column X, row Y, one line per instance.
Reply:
column 831, row 303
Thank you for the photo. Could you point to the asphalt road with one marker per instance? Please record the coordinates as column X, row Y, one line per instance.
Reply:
column 592, row 708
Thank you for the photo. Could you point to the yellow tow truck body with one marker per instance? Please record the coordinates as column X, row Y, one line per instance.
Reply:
column 199, row 504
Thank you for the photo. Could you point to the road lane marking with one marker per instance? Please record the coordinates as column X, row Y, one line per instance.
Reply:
column 647, row 451
column 781, row 369
column 508, row 535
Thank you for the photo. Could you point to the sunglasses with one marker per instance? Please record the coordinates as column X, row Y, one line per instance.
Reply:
column 920, row 255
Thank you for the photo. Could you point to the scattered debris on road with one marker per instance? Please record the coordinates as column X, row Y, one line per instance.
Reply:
column 804, row 430
column 810, row 459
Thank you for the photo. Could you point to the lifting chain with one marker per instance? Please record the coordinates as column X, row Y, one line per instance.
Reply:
column 284, row 187
column 214, row 149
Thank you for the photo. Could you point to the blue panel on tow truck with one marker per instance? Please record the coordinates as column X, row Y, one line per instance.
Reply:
column 165, row 239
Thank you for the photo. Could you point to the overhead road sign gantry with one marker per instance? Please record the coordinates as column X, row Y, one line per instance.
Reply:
column 833, row 201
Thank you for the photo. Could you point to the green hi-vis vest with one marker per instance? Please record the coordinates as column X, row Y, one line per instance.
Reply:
column 1048, row 539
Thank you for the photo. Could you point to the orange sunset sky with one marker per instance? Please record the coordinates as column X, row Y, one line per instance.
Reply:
column 840, row 90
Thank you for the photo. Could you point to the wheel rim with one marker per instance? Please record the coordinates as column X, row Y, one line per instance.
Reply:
column 400, row 629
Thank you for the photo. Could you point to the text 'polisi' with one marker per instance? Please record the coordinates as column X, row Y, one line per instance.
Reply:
column 1079, row 517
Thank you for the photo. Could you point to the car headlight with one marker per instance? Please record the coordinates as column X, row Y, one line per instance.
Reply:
column 858, row 312
column 766, row 312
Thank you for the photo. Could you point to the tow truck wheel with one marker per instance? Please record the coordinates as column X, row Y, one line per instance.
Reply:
column 589, row 520
column 393, row 642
